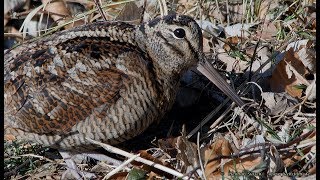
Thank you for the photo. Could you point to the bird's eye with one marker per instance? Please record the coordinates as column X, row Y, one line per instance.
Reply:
column 179, row 33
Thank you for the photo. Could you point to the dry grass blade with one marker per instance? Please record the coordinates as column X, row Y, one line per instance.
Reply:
column 163, row 7
column 28, row 19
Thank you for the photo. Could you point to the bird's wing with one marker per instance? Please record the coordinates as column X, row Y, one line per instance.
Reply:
column 52, row 86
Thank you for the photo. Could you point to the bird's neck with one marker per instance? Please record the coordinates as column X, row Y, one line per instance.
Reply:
column 167, row 84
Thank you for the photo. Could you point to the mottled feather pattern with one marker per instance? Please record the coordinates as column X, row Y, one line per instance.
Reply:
column 100, row 80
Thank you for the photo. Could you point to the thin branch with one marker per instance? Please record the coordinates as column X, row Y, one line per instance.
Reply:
column 98, row 5
column 119, row 168
column 199, row 156
column 139, row 159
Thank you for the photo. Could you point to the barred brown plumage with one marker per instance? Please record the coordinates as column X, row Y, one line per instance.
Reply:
column 107, row 80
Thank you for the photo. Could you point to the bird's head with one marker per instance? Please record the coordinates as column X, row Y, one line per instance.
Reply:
column 173, row 42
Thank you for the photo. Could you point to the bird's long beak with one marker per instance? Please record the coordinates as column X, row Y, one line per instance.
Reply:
column 207, row 70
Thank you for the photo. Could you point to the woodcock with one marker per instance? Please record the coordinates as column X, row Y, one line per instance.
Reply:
column 107, row 81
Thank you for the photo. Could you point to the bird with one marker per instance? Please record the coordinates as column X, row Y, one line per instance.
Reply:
column 107, row 81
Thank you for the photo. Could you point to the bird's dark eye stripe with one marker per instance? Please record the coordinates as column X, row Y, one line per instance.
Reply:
column 158, row 33
column 170, row 45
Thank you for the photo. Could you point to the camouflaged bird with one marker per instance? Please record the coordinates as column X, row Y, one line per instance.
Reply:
column 107, row 81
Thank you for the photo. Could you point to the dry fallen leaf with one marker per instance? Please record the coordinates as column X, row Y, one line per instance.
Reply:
column 266, row 7
column 276, row 163
column 305, row 52
column 233, row 65
column 233, row 40
column 101, row 167
column 130, row 12
column 11, row 5
column 289, row 74
column 144, row 154
column 209, row 29
column 240, row 30
column 296, row 45
column 58, row 7
column 222, row 147
column 185, row 5
column 268, row 31
column 187, row 152
column 278, row 102
column 308, row 58
column 264, row 54
column 311, row 91
column 60, row 13
column 291, row 157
